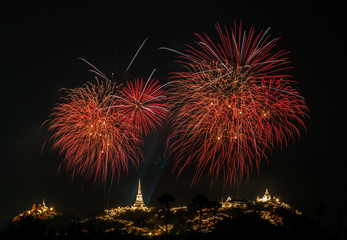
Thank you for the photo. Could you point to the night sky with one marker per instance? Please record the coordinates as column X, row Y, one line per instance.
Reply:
column 40, row 46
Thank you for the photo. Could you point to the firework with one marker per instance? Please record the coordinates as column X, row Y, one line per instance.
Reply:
column 232, row 105
column 143, row 104
column 100, row 127
column 96, row 140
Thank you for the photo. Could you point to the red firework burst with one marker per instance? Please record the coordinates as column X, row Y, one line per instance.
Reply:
column 233, row 104
column 96, row 140
column 143, row 104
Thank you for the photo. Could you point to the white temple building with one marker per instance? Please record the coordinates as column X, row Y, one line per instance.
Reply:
column 265, row 198
column 139, row 204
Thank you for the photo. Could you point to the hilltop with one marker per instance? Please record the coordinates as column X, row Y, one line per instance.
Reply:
column 239, row 219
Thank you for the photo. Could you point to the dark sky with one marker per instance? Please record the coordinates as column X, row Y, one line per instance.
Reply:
column 40, row 45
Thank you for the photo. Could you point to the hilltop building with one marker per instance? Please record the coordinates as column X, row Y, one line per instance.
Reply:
column 265, row 198
column 139, row 204
column 40, row 211
column 229, row 203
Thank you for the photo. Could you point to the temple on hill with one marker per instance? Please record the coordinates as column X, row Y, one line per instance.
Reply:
column 230, row 203
column 40, row 211
column 267, row 197
column 227, row 203
column 139, row 204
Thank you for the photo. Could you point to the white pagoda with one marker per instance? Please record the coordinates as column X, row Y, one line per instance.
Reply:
column 139, row 204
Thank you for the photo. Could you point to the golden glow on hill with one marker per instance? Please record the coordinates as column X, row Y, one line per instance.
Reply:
column 40, row 211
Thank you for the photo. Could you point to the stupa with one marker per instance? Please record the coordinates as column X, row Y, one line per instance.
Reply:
column 139, row 204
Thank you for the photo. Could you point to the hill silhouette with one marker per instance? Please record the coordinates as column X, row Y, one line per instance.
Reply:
column 242, row 219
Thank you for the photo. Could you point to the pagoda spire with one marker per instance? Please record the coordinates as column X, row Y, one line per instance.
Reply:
column 139, row 204
column 139, row 188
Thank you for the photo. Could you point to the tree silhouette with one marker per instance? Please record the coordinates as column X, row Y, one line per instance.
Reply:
column 200, row 201
column 165, row 200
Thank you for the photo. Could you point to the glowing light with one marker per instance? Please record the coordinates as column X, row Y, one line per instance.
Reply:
column 38, row 211
column 265, row 198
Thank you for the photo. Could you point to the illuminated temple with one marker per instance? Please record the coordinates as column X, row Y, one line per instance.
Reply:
column 265, row 198
column 40, row 211
column 139, row 204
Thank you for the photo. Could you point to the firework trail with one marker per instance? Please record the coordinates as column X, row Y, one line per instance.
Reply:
column 232, row 104
column 143, row 104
